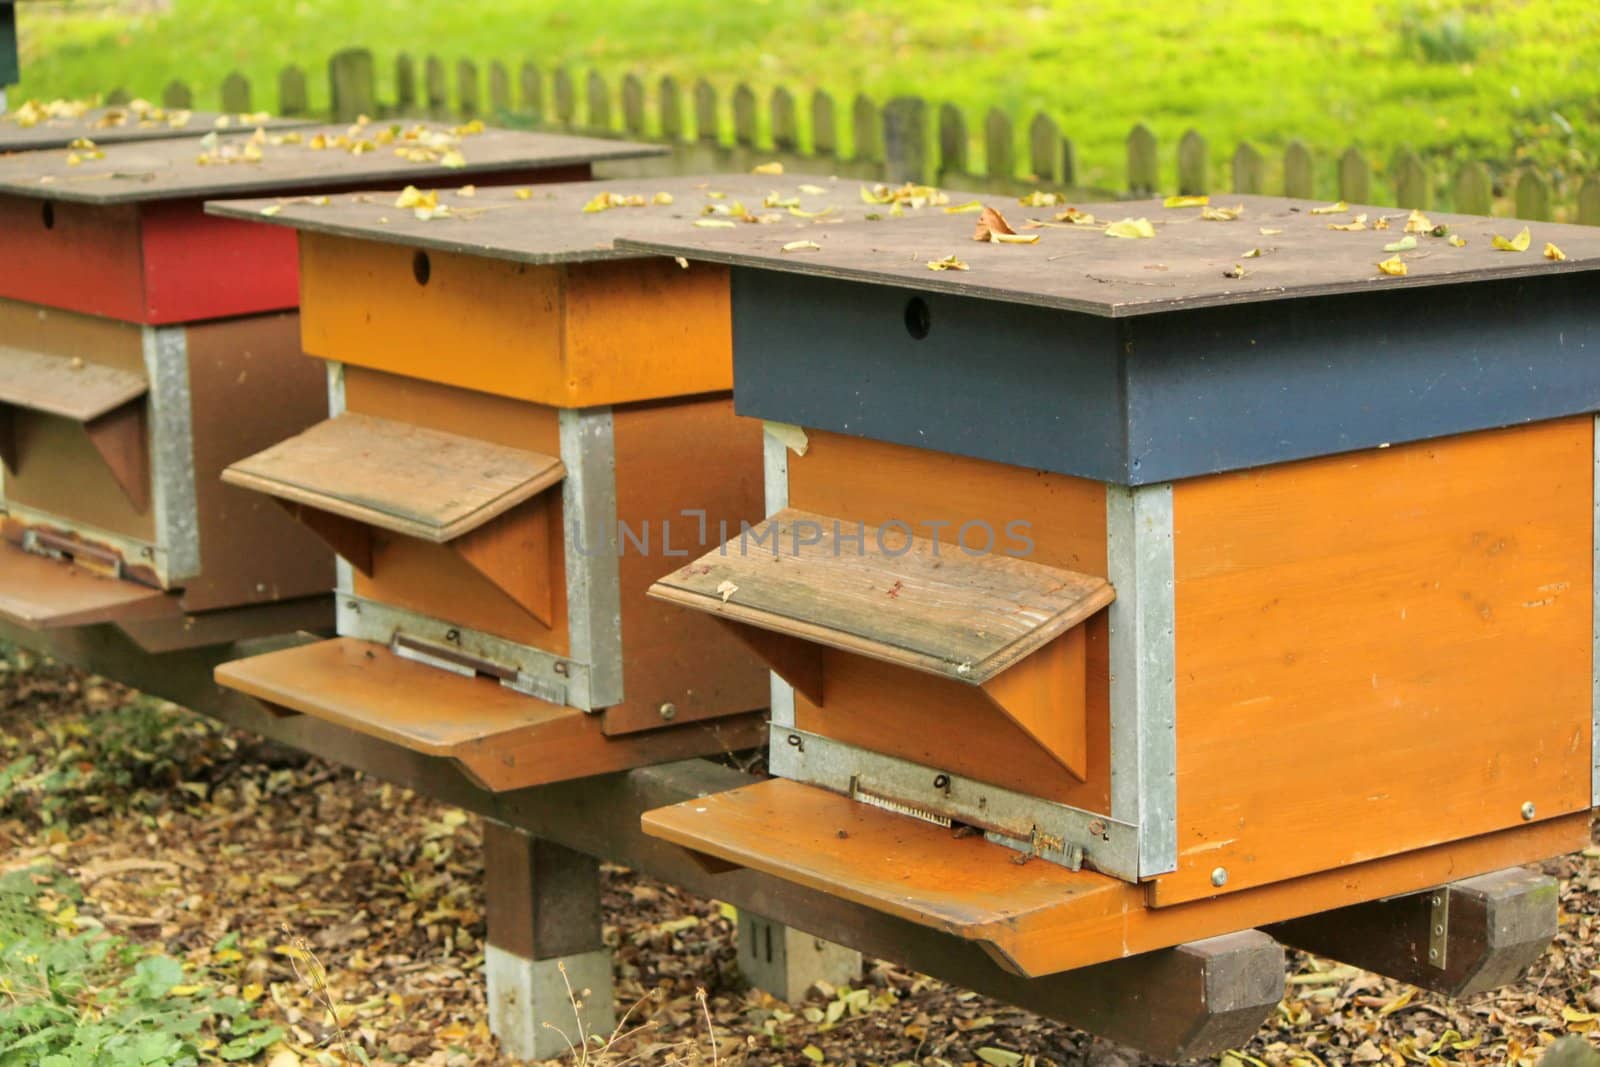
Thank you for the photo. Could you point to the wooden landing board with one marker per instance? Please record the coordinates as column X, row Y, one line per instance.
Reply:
column 931, row 608
column 33, row 125
column 407, row 479
column 46, row 594
column 504, row 739
column 69, row 388
column 1187, row 264
column 548, row 224
column 289, row 160
column 892, row 863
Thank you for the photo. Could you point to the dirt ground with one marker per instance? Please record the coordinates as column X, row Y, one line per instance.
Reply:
column 181, row 833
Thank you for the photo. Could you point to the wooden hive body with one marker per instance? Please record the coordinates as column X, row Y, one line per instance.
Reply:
column 1353, row 625
column 518, row 329
column 141, row 341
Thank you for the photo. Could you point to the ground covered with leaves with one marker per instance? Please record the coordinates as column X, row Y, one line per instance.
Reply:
column 175, row 893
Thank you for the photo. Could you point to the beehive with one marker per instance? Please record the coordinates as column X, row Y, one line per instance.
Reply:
column 528, row 421
column 1138, row 590
column 148, row 345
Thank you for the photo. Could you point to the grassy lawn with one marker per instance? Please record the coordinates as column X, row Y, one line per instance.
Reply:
column 1499, row 80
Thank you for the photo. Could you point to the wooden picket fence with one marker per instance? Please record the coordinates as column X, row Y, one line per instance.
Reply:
column 903, row 139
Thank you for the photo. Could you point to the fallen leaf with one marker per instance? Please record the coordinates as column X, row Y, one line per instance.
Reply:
column 715, row 224
column 999, row 1057
column 523, row 194
column 1222, row 214
column 1458, row 241
column 1269, row 231
column 1393, row 265
column 1358, row 223
column 453, row 159
column 1397, row 1003
column 1382, row 223
column 1040, row 198
column 1131, row 228
column 964, row 209
column 1076, row 217
column 413, row 197
column 1332, row 209
column 1417, row 222
column 768, row 168
column 1236, row 271
column 990, row 224
column 1254, row 253
column 813, row 1053
column 802, row 246
column 1552, row 252
column 949, row 262
column 271, row 211
column 1186, row 201
column 1519, row 243
column 726, row 589
column 1405, row 244
column 812, row 190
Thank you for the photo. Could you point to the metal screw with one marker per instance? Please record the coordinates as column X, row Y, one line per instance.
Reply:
column 942, row 782
column 669, row 711
column 795, row 742
column 560, row 667
column 453, row 636
column 354, row 606
column 1438, row 928
column 1219, row 877
column 1433, row 953
column 1097, row 827
column 1435, row 902
column 1528, row 811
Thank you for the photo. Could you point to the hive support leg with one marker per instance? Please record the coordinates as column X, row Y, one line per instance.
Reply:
column 1459, row 939
column 786, row 963
column 548, row 971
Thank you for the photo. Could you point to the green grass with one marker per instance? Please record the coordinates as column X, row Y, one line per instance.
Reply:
column 1496, row 80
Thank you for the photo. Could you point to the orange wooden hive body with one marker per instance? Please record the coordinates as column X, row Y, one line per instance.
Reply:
column 526, row 423
column 140, row 341
column 1350, row 632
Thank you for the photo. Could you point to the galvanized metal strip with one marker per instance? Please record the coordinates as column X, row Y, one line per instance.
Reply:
column 1055, row 832
column 173, row 496
column 335, row 388
column 1144, row 749
column 594, row 589
column 775, row 457
column 543, row 674
column 1594, row 658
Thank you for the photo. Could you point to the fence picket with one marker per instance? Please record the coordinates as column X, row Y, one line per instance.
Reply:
column 352, row 84
column 824, row 125
column 405, row 85
column 1044, row 148
column 705, row 111
column 292, row 92
column 999, row 146
column 1249, row 169
column 178, row 96
column 1355, row 177
column 598, row 95
column 1533, row 197
column 952, row 141
column 566, row 97
column 1474, row 190
column 1144, row 169
column 866, row 125
column 785, row 126
column 499, row 90
column 236, row 94
column 436, row 94
column 633, row 105
column 1194, row 166
column 744, row 116
column 1410, row 181
column 1299, row 171
column 905, row 139
column 532, row 89
column 468, row 104
column 669, row 109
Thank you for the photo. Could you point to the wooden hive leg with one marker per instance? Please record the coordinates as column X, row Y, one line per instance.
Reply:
column 786, row 962
column 543, row 906
column 1459, row 939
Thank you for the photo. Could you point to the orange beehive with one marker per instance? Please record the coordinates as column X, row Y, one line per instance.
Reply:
column 1124, row 597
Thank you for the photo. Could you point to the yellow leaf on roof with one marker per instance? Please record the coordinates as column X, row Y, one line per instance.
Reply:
column 949, row 262
column 1331, row 209
column 1040, row 198
column 1186, row 201
column 453, row 159
column 1221, row 214
column 1393, row 265
column 991, row 225
column 1269, row 231
column 1405, row 244
column 1552, row 252
column 1254, row 253
column 271, row 211
column 468, row 191
column 716, row 224
column 661, row 198
column 413, row 197
column 1457, row 241
column 1014, row 238
column 802, row 246
column 523, row 194
column 812, row 190
column 964, row 209
column 1358, row 223
column 1131, row 228
column 1519, row 243
column 1418, row 223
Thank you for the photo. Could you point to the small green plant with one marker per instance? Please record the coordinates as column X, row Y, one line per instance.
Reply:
column 74, row 995
column 1436, row 36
